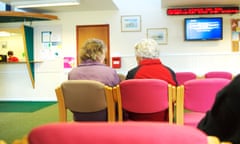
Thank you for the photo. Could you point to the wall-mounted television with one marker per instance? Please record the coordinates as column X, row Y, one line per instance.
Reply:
column 203, row 28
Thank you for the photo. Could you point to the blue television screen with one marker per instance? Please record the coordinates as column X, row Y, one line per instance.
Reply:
column 196, row 29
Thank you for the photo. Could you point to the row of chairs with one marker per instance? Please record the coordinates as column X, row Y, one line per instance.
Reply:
column 151, row 95
column 195, row 97
column 140, row 96
column 185, row 76
column 203, row 97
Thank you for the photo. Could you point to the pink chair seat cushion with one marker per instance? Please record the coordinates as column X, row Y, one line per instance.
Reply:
column 116, row 133
column 193, row 118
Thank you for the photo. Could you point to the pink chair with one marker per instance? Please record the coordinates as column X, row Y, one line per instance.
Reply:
column 197, row 97
column 145, row 96
column 185, row 76
column 116, row 133
column 219, row 74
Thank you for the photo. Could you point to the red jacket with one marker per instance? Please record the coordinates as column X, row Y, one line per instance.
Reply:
column 13, row 59
column 153, row 68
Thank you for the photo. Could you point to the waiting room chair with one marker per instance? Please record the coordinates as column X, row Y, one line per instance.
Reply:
column 195, row 98
column 219, row 74
column 185, row 76
column 144, row 96
column 84, row 96
column 117, row 133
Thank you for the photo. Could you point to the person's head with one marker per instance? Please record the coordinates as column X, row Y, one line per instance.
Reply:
column 93, row 49
column 146, row 49
column 10, row 53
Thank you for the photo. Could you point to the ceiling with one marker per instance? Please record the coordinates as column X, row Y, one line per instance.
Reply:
column 91, row 5
column 85, row 5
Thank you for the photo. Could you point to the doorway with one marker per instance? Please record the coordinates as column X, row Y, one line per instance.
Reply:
column 85, row 32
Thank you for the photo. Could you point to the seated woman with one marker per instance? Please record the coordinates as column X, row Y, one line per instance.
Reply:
column 92, row 67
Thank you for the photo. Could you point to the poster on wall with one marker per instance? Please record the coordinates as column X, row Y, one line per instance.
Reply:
column 158, row 34
column 235, row 24
column 69, row 62
column 131, row 23
column 49, row 40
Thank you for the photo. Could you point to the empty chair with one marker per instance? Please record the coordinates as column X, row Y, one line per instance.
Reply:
column 185, row 76
column 218, row 74
column 145, row 99
column 116, row 133
column 196, row 96
column 91, row 98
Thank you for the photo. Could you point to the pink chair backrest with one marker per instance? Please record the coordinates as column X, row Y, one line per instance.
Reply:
column 218, row 74
column 144, row 95
column 185, row 76
column 115, row 133
column 199, row 94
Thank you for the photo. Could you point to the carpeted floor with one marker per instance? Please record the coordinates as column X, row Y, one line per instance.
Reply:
column 23, row 106
column 15, row 125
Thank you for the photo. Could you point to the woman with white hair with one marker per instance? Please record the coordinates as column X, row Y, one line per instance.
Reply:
column 149, row 63
column 150, row 67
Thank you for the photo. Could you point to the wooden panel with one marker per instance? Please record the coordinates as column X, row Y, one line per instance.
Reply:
column 93, row 31
column 11, row 16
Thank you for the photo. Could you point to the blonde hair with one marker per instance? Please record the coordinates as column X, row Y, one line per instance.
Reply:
column 147, row 48
column 93, row 49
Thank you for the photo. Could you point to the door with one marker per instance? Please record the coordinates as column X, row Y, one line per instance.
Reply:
column 85, row 32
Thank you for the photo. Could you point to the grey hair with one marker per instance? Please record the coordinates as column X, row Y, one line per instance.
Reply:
column 147, row 48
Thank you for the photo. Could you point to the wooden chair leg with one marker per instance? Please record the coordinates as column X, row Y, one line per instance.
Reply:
column 61, row 105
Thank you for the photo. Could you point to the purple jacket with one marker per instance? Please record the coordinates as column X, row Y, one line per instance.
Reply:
column 89, row 70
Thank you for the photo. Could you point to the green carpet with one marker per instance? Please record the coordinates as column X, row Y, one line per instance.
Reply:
column 23, row 106
column 15, row 125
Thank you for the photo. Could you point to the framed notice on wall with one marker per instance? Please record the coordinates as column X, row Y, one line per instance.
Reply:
column 46, row 36
column 131, row 23
column 235, row 25
column 158, row 34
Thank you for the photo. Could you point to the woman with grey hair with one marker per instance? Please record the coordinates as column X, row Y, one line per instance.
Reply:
column 92, row 67
column 150, row 67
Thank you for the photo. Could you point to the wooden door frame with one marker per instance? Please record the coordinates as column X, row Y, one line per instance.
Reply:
column 107, row 59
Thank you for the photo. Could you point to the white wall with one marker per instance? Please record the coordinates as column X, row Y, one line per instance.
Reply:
column 198, row 57
column 15, row 43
